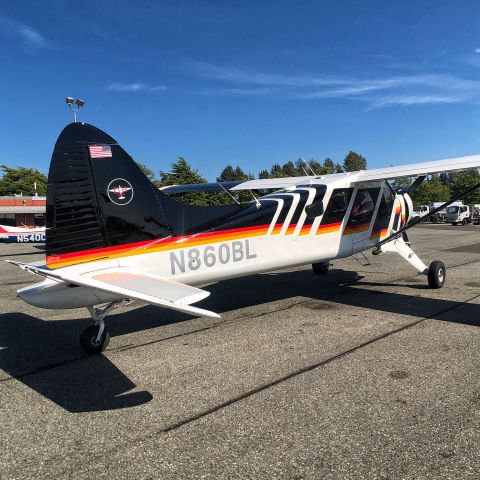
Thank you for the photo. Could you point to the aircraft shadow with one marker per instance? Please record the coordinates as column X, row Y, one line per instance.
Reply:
column 29, row 346
column 338, row 286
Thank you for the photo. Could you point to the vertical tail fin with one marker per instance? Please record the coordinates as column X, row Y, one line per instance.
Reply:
column 97, row 197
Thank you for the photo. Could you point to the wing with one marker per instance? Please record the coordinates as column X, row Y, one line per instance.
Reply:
column 388, row 173
column 129, row 283
column 417, row 169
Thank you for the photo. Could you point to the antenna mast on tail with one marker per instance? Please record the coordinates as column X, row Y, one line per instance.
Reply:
column 79, row 103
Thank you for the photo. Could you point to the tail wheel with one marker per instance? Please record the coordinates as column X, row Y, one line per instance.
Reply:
column 89, row 342
column 436, row 274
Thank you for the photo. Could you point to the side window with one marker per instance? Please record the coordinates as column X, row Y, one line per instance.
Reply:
column 363, row 206
column 337, row 206
column 8, row 219
column 384, row 214
column 39, row 219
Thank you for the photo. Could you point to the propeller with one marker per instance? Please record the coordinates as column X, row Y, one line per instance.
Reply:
column 411, row 224
column 409, row 190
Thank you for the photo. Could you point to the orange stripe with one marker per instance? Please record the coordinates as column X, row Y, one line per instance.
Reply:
column 356, row 229
column 172, row 243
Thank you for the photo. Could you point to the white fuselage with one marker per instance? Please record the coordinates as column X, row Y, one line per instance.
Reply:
column 210, row 261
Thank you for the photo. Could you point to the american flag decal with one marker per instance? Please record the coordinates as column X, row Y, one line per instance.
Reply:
column 100, row 151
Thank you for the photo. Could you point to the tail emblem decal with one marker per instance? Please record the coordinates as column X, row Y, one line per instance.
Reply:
column 120, row 191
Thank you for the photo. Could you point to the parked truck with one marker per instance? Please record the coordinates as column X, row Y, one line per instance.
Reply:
column 423, row 210
column 458, row 214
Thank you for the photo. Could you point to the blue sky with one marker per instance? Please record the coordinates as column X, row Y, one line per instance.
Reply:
column 247, row 83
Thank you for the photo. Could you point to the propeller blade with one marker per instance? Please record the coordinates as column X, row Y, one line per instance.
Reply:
column 412, row 187
column 421, row 219
column 418, row 181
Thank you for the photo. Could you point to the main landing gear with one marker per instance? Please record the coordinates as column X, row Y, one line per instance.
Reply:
column 436, row 272
column 95, row 339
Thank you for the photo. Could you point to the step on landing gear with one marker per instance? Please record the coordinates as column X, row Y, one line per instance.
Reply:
column 320, row 268
column 95, row 339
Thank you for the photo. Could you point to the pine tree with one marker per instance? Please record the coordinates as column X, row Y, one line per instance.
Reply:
column 289, row 169
column 328, row 166
column 354, row 162
column 182, row 173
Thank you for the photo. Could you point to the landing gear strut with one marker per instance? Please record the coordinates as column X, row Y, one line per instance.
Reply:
column 436, row 272
column 95, row 339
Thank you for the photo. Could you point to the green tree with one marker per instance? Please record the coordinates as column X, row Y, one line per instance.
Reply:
column 431, row 190
column 181, row 173
column 276, row 171
column 230, row 174
column 22, row 180
column 328, row 166
column 148, row 173
column 461, row 181
column 354, row 161
column 264, row 174
column 289, row 169
column 316, row 167
column 338, row 168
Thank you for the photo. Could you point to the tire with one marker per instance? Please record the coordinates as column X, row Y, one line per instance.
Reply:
column 464, row 222
column 437, row 274
column 454, row 224
column 88, row 340
column 320, row 268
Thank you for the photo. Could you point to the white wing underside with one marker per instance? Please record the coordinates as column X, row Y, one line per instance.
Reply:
column 388, row 173
column 129, row 283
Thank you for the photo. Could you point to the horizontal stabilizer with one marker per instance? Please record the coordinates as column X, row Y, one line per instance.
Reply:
column 200, row 187
column 129, row 283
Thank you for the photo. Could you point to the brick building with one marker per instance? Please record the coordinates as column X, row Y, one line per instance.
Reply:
column 19, row 211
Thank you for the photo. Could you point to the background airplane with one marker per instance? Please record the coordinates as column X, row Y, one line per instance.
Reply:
column 112, row 235
column 22, row 234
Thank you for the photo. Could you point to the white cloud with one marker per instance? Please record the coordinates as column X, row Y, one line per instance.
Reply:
column 477, row 50
column 407, row 100
column 31, row 39
column 134, row 87
column 390, row 91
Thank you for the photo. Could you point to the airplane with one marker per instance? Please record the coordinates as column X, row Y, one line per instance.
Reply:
column 112, row 236
column 10, row 234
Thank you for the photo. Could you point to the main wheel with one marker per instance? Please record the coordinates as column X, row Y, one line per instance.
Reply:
column 436, row 274
column 464, row 222
column 320, row 268
column 88, row 339
column 454, row 224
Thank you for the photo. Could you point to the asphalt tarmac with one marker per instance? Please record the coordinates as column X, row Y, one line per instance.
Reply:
column 364, row 373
